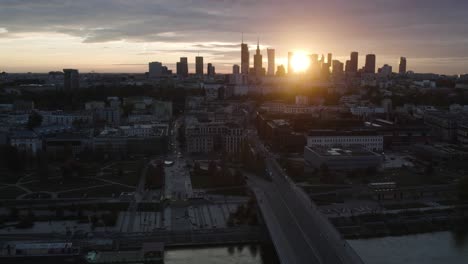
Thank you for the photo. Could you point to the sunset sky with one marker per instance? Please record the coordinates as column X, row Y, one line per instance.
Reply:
column 123, row 36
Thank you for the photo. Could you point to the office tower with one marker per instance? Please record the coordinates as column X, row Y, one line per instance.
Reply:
column 71, row 79
column 313, row 59
column 211, row 70
column 245, row 58
column 329, row 59
column 324, row 68
column 369, row 67
column 199, row 66
column 337, row 67
column 155, row 69
column 235, row 69
column 271, row 62
column 353, row 66
column 347, row 66
column 290, row 67
column 385, row 71
column 182, row 67
column 402, row 66
column 280, row 71
column 258, row 62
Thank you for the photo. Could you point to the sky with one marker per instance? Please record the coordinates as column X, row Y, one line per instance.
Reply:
column 124, row 35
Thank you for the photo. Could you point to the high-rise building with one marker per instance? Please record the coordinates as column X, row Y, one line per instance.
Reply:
column 329, row 59
column 71, row 79
column 199, row 66
column 337, row 67
column 280, row 71
column 258, row 62
column 155, row 69
column 245, row 58
column 182, row 67
column 290, row 58
column 235, row 69
column 370, row 63
column 385, row 71
column 348, row 66
column 271, row 62
column 402, row 66
column 211, row 70
column 353, row 66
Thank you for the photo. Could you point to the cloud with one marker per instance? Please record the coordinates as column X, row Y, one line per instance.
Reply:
column 421, row 28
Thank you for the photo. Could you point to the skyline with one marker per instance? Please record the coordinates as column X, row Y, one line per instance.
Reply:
column 118, row 36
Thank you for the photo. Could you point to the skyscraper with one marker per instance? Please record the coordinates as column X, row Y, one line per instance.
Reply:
column 271, row 62
column 369, row 67
column 329, row 59
column 290, row 67
column 155, row 69
column 353, row 66
column 182, row 67
column 71, row 79
column 402, row 66
column 199, row 66
column 235, row 69
column 245, row 58
column 211, row 70
column 280, row 72
column 337, row 67
column 258, row 62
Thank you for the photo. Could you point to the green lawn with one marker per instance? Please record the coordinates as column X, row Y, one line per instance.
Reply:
column 57, row 185
column 10, row 192
column 98, row 192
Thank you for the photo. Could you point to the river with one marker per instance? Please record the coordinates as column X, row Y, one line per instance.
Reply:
column 246, row 254
column 430, row 248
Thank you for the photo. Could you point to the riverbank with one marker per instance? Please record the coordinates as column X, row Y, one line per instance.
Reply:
column 403, row 222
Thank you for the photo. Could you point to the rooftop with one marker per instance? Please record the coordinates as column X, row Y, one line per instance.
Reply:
column 352, row 151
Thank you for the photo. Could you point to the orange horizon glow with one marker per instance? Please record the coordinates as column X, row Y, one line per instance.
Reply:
column 300, row 61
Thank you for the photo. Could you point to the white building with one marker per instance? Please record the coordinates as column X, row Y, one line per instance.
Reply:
column 370, row 140
column 65, row 118
column 366, row 110
column 26, row 141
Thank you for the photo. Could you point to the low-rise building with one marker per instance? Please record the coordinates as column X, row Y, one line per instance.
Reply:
column 66, row 118
column 208, row 136
column 340, row 158
column 26, row 141
column 369, row 139
column 443, row 125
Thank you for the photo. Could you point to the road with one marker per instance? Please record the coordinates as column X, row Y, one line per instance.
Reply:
column 139, row 194
column 307, row 233
column 177, row 184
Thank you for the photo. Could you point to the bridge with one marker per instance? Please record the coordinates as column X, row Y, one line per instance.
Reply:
column 300, row 233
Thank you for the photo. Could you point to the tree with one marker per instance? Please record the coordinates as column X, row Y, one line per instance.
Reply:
column 42, row 167
column 34, row 120
column 463, row 188
column 11, row 159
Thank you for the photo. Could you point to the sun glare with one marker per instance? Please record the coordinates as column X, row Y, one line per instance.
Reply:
column 300, row 62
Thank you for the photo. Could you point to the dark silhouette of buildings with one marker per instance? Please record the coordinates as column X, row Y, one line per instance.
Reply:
column 199, row 66
column 402, row 66
column 182, row 67
column 370, row 63
column 71, row 79
column 353, row 63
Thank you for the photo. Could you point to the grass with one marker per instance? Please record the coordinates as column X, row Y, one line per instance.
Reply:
column 129, row 173
column 98, row 192
column 57, row 185
column 10, row 192
column 201, row 181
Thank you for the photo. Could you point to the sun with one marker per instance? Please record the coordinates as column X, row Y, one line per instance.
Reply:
column 300, row 62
